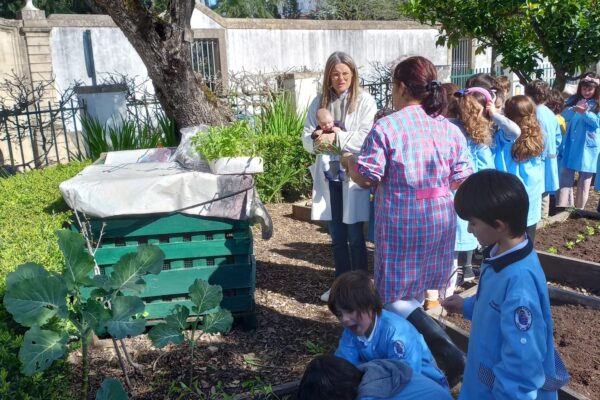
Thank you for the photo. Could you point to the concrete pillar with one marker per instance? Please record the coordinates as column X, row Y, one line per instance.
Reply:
column 36, row 32
column 303, row 86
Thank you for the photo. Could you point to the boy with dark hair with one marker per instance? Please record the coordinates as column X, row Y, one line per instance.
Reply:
column 373, row 333
column 511, row 349
column 328, row 377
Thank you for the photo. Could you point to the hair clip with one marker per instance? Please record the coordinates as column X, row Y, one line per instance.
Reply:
column 434, row 84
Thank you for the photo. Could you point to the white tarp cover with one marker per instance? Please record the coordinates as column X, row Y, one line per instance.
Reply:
column 141, row 188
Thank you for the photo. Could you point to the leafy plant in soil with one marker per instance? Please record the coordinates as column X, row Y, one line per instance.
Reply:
column 235, row 140
column 210, row 318
column 47, row 302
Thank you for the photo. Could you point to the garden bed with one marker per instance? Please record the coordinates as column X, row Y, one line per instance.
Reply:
column 576, row 237
column 293, row 269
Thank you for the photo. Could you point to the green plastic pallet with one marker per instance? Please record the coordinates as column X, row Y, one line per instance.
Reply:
column 219, row 251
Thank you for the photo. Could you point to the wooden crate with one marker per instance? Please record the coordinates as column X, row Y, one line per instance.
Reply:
column 219, row 251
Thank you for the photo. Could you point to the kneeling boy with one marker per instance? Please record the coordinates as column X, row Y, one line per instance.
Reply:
column 372, row 333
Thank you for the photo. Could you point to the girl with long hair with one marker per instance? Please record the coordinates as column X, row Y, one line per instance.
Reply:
column 581, row 144
column 521, row 155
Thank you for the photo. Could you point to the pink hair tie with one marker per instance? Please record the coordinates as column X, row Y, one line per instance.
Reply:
column 591, row 80
column 486, row 93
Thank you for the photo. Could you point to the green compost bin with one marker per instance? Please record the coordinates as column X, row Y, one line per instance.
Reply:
column 217, row 250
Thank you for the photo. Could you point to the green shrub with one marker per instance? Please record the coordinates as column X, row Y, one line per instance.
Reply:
column 286, row 176
column 31, row 210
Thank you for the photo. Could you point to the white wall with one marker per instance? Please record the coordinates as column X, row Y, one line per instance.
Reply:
column 280, row 50
column 112, row 53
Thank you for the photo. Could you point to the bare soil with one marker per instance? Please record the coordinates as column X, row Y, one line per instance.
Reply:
column 576, row 339
column 293, row 269
column 575, row 237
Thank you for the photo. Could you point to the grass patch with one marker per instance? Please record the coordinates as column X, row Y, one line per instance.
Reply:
column 31, row 211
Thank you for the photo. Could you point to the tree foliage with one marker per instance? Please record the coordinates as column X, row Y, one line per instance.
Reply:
column 9, row 8
column 359, row 10
column 248, row 8
column 567, row 32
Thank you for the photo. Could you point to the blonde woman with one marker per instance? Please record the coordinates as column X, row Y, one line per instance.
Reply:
column 343, row 204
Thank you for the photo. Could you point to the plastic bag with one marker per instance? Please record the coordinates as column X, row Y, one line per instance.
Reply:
column 186, row 154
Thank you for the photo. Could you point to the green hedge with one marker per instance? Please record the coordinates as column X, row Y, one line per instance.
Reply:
column 31, row 211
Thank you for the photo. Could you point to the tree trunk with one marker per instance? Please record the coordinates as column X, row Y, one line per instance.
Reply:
column 163, row 43
column 560, row 80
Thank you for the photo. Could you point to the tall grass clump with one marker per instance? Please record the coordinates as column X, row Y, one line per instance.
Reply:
column 129, row 135
column 286, row 176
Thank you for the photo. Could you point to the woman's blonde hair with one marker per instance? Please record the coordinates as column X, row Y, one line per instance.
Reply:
column 471, row 112
column 521, row 109
column 339, row 57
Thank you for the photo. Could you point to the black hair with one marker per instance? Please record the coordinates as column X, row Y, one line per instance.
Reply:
column 492, row 195
column 538, row 90
column 571, row 101
column 354, row 291
column 419, row 76
column 328, row 377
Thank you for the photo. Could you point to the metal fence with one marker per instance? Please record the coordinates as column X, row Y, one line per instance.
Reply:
column 39, row 135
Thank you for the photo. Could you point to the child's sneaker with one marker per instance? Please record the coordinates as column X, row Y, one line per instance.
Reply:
column 468, row 274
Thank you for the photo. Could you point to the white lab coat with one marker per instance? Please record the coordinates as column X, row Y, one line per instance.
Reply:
column 358, row 125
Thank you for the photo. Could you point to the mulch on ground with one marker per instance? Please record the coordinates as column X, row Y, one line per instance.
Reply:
column 293, row 269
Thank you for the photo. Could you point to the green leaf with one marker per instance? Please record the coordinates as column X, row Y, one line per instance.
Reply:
column 205, row 296
column 96, row 316
column 122, row 324
column 111, row 389
column 178, row 318
column 78, row 262
column 25, row 271
column 163, row 334
column 219, row 321
column 40, row 349
column 34, row 301
column 130, row 269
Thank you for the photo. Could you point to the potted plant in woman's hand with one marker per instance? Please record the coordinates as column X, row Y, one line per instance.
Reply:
column 230, row 149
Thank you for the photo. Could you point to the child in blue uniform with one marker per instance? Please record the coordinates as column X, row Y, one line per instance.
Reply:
column 477, row 127
column 511, row 348
column 521, row 155
column 329, row 377
column 581, row 144
column 372, row 333
column 539, row 92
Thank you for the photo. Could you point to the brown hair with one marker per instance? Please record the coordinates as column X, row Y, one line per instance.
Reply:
column 530, row 143
column 339, row 57
column 538, row 90
column 556, row 101
column 419, row 76
column 354, row 291
column 488, row 82
column 451, row 88
column 471, row 112
column 504, row 84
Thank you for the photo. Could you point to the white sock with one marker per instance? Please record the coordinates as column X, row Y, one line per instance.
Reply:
column 404, row 307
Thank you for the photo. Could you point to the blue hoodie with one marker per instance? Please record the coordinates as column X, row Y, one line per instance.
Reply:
column 394, row 380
